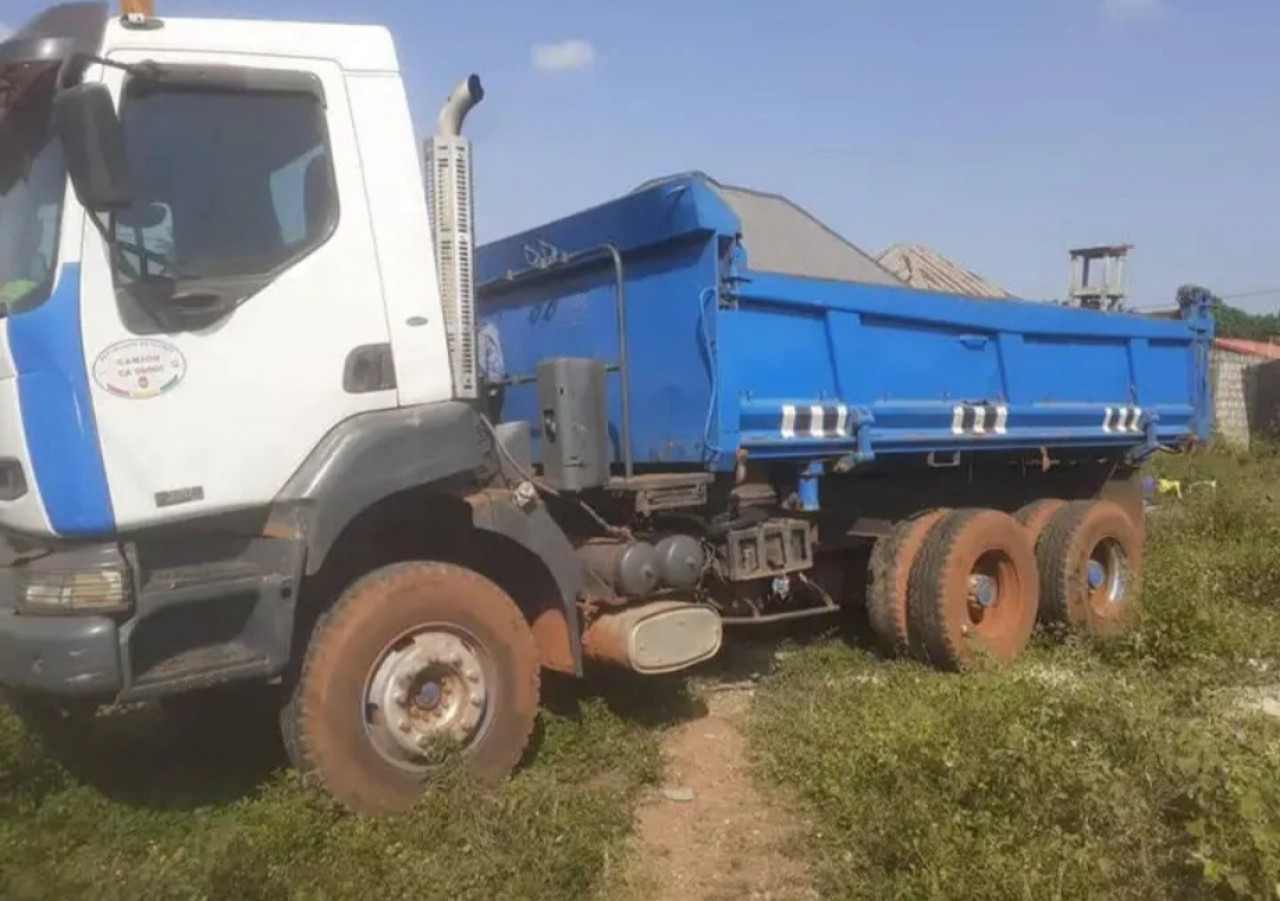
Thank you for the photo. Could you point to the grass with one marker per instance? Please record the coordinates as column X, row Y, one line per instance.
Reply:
column 1139, row 767
column 148, row 812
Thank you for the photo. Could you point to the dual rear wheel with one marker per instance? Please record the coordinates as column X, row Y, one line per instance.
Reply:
column 949, row 587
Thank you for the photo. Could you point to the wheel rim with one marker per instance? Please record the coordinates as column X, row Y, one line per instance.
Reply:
column 429, row 688
column 987, row 587
column 992, row 601
column 1107, row 576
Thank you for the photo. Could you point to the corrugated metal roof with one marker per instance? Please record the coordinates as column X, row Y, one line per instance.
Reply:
column 926, row 269
column 781, row 237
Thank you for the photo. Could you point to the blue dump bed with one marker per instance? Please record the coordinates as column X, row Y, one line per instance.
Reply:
column 750, row 326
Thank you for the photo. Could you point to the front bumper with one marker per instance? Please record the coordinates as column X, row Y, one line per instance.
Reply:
column 66, row 656
column 70, row 656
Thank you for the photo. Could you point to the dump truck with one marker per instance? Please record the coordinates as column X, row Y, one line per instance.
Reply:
column 270, row 419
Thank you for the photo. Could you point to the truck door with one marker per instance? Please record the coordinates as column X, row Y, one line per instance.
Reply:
column 241, row 317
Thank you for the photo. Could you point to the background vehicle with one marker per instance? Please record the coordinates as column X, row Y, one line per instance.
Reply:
column 247, row 436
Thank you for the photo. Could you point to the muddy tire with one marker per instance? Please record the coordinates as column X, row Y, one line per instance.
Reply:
column 888, row 573
column 1035, row 517
column 973, row 591
column 411, row 655
column 1090, row 560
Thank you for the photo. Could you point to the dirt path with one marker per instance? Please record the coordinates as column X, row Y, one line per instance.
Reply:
column 708, row 834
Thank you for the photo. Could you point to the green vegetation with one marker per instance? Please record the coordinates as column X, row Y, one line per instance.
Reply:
column 1142, row 767
column 148, row 811
column 1230, row 322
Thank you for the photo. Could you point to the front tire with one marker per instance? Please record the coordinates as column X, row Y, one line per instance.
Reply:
column 411, row 656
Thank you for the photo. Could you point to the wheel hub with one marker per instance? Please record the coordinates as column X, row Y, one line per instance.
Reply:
column 982, row 591
column 428, row 687
column 1107, row 574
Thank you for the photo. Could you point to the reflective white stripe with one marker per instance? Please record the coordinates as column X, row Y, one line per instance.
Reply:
column 817, row 427
column 1002, row 419
column 788, row 422
column 1122, row 419
column 842, row 421
column 979, row 420
column 957, row 421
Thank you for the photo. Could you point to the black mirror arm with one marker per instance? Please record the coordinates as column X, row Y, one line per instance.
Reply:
column 114, row 253
column 76, row 63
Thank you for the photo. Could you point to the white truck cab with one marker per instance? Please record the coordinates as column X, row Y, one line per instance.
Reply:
column 274, row 167
column 229, row 409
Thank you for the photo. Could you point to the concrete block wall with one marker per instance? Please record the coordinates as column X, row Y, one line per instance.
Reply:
column 1230, row 394
column 1246, row 396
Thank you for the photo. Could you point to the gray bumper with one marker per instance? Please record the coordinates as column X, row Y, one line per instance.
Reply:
column 59, row 655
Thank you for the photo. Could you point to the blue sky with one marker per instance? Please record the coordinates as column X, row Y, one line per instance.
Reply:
column 1000, row 132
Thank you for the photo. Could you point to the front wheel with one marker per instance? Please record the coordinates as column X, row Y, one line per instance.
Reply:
column 412, row 658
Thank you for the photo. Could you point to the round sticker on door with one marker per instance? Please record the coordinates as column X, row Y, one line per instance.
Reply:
column 140, row 368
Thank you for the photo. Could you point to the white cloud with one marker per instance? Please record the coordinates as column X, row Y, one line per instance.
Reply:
column 1132, row 10
column 564, row 56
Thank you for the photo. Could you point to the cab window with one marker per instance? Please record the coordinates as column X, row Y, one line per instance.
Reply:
column 230, row 186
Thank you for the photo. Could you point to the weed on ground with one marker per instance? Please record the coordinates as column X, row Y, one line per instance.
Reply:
column 1146, row 766
column 147, row 811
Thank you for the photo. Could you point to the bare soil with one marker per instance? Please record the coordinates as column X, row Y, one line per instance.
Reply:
column 708, row 833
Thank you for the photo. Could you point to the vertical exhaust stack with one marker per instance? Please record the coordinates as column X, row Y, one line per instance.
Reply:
column 451, row 206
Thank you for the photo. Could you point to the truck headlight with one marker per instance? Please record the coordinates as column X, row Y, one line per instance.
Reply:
column 85, row 581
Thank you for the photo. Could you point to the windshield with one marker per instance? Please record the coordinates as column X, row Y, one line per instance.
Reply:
column 32, row 185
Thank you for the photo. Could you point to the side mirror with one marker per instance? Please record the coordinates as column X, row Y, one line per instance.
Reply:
column 93, row 145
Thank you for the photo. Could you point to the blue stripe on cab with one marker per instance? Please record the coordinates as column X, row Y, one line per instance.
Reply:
column 57, row 412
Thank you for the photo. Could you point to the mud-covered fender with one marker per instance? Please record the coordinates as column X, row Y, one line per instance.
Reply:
column 529, row 524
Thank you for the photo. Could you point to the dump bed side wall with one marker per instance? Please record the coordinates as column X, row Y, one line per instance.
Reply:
column 574, row 315
column 934, row 372
column 801, row 367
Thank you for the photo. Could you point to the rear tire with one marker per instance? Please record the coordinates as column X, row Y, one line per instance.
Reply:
column 1090, row 562
column 889, row 572
column 1035, row 517
column 973, row 591
column 412, row 654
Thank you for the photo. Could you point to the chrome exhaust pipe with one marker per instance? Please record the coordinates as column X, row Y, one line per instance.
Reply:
column 462, row 100
column 447, row 165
